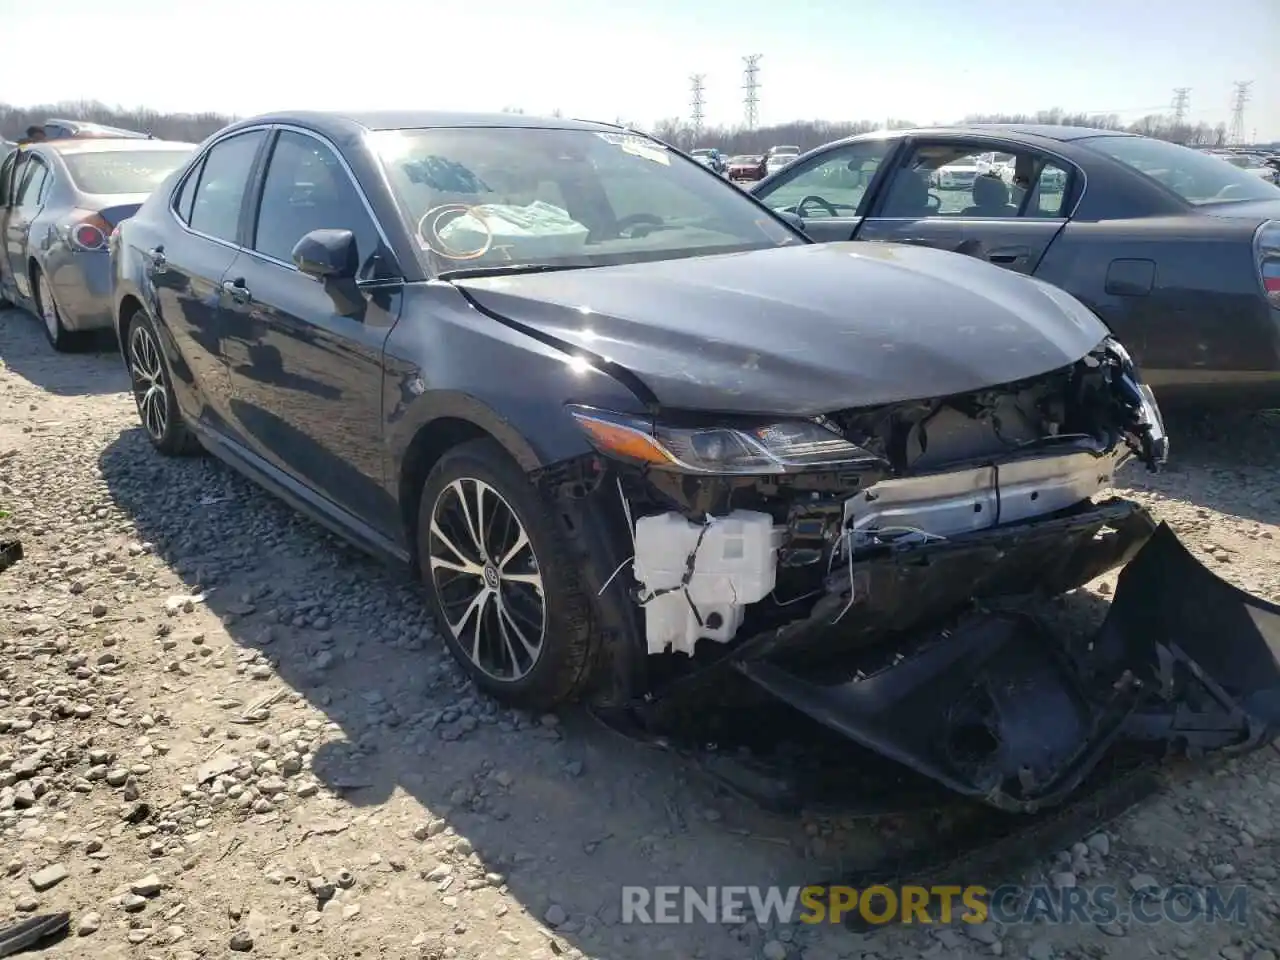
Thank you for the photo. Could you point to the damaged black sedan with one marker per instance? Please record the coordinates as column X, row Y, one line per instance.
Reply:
column 630, row 426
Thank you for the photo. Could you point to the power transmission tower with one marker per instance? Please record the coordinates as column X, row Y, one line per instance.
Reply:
column 1236, row 137
column 751, row 84
column 1181, row 101
column 697, row 83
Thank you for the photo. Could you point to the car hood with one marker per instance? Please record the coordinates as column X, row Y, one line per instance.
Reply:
column 803, row 330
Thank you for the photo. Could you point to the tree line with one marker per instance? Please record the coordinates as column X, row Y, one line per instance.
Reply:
column 805, row 134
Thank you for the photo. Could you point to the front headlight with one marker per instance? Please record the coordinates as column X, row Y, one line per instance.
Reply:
column 789, row 446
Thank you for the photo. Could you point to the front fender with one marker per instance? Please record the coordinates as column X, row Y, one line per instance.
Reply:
column 447, row 360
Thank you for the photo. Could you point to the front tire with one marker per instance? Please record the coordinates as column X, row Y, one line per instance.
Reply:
column 499, row 580
column 153, row 390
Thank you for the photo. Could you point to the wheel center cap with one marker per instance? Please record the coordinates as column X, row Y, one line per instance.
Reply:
column 491, row 577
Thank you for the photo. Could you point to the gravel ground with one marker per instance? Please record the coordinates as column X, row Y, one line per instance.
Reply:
column 222, row 732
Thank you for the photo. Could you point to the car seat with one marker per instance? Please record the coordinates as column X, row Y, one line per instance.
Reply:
column 990, row 199
column 908, row 196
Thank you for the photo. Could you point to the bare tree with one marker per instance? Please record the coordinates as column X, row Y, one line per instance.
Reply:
column 676, row 131
column 191, row 127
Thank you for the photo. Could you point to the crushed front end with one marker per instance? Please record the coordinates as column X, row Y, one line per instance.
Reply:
column 874, row 567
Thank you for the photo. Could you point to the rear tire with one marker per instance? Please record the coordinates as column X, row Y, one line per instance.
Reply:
column 152, row 386
column 500, row 582
column 59, row 337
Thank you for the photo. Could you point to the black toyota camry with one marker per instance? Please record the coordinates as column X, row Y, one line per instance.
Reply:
column 629, row 427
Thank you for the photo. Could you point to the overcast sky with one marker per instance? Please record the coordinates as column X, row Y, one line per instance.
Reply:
column 920, row 60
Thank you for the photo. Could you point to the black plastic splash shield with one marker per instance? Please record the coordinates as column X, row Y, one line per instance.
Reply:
column 997, row 710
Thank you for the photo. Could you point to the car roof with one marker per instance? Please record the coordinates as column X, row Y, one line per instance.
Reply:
column 111, row 145
column 340, row 123
column 1041, row 131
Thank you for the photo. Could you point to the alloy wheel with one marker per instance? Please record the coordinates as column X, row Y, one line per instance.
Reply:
column 487, row 578
column 48, row 311
column 148, row 382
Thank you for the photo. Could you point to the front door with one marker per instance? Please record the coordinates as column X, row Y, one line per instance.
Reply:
column 950, row 194
column 830, row 192
column 307, row 377
column 27, row 201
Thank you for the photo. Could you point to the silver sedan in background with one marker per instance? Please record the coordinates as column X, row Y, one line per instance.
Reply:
column 59, row 202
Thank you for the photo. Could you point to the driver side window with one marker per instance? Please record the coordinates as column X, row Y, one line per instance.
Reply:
column 830, row 185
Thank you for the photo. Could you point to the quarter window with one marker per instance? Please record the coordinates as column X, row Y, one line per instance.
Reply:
column 187, row 195
column 307, row 188
column 215, row 209
column 832, row 185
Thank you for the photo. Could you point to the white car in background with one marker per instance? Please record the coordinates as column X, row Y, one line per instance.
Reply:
column 958, row 175
column 996, row 164
column 779, row 157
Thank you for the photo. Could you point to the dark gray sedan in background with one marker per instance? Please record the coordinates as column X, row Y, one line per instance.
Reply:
column 59, row 201
column 1177, row 251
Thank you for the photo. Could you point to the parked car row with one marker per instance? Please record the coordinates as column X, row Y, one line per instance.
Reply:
column 59, row 201
column 631, row 425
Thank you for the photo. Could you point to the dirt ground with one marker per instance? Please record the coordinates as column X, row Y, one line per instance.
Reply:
column 224, row 733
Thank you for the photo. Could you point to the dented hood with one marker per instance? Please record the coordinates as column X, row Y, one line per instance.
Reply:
column 805, row 329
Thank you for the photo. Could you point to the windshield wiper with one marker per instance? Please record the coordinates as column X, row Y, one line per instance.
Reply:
column 504, row 269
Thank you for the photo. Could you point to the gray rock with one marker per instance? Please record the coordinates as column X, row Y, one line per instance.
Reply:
column 241, row 941
column 775, row 950
column 1100, row 844
column 49, row 877
column 89, row 924
column 148, row 886
column 555, row 915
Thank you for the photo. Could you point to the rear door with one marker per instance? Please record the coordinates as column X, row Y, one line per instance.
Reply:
column 186, row 270
column 1008, row 216
column 307, row 371
column 28, row 198
column 830, row 191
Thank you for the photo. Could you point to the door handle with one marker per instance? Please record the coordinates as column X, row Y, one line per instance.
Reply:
column 237, row 291
column 1008, row 254
column 158, row 262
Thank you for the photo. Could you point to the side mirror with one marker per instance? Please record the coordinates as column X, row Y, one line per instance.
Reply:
column 327, row 255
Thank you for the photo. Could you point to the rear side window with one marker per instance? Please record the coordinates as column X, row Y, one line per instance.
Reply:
column 33, row 183
column 215, row 207
column 122, row 171
column 1196, row 177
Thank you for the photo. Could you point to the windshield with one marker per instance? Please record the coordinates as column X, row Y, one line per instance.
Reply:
column 122, row 171
column 491, row 197
column 1195, row 177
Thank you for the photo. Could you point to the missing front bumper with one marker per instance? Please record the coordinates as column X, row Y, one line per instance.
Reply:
column 999, row 710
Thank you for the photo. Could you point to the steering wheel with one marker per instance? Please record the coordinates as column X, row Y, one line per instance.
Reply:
column 935, row 203
column 1227, row 192
column 637, row 219
column 825, row 205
